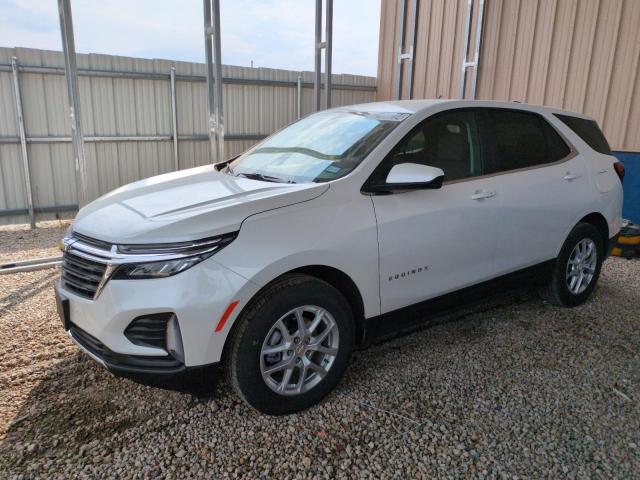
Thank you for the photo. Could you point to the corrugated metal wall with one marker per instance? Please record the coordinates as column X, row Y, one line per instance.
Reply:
column 130, row 106
column 580, row 55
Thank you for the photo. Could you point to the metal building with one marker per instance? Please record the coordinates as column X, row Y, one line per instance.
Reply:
column 580, row 55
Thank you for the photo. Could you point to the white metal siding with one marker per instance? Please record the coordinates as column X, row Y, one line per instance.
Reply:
column 134, row 107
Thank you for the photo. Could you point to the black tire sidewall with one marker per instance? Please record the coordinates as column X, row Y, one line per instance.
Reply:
column 559, row 283
column 245, row 364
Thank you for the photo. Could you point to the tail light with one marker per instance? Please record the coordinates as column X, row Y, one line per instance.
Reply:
column 619, row 168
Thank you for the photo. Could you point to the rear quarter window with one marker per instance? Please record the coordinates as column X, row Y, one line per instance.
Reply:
column 588, row 131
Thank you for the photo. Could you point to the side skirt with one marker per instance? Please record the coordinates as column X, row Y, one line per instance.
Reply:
column 496, row 292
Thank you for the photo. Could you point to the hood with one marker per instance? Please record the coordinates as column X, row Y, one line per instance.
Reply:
column 187, row 205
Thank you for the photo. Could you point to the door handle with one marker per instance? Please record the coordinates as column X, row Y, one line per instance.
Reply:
column 482, row 194
column 571, row 176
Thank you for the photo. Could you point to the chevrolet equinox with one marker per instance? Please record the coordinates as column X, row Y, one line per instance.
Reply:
column 279, row 262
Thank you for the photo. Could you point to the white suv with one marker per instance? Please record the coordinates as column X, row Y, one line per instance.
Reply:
column 279, row 262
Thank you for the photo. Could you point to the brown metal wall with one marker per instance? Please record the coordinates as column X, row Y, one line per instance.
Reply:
column 580, row 55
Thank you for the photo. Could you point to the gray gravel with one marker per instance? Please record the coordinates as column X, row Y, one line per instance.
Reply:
column 522, row 390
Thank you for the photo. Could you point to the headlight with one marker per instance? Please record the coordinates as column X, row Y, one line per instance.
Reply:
column 157, row 269
column 178, row 257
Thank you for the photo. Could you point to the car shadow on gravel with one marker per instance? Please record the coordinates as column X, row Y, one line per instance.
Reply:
column 78, row 402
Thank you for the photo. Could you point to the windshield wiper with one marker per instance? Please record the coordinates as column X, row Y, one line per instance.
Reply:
column 264, row 178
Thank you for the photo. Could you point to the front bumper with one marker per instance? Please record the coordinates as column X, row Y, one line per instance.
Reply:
column 197, row 297
column 167, row 373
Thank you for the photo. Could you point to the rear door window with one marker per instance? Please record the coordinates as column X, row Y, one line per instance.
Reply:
column 516, row 139
column 588, row 131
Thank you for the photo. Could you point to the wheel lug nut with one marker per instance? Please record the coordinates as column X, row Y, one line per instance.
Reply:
column 307, row 341
column 296, row 340
column 289, row 352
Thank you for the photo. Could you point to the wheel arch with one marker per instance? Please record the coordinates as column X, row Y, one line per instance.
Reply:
column 334, row 277
column 600, row 222
column 345, row 285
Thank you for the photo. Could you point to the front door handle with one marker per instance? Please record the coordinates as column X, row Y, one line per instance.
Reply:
column 571, row 176
column 482, row 194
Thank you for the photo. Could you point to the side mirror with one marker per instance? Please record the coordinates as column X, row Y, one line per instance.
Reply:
column 414, row 176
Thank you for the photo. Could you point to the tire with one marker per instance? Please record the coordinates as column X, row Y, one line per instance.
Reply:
column 262, row 327
column 569, row 291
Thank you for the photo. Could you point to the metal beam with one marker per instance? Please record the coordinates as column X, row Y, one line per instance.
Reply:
column 69, row 51
column 476, row 54
column 12, row 212
column 217, row 52
column 318, row 55
column 23, row 142
column 402, row 55
column 213, row 70
column 179, row 78
column 208, row 62
column 414, row 45
column 174, row 119
column 466, row 64
column 328, row 36
column 327, row 45
column 129, row 138
column 30, row 265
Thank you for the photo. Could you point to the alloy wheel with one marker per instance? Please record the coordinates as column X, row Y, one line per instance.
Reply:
column 581, row 266
column 299, row 350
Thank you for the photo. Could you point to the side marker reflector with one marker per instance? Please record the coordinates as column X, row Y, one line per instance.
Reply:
column 225, row 316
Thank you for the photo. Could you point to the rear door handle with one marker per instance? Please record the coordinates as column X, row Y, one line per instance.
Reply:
column 571, row 176
column 482, row 194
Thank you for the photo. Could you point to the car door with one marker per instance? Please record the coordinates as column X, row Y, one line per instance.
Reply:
column 435, row 241
column 543, row 185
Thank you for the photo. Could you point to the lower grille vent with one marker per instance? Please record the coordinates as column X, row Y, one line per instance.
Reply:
column 149, row 330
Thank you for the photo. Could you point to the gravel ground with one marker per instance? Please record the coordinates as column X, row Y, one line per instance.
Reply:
column 516, row 390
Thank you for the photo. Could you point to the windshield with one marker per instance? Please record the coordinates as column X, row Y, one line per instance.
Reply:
column 321, row 147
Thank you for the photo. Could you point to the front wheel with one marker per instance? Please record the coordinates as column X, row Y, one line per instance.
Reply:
column 291, row 346
column 577, row 267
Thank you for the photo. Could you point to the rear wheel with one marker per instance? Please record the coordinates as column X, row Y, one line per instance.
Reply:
column 291, row 346
column 577, row 267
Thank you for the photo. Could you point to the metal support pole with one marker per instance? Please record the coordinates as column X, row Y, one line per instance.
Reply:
column 71, row 74
column 475, row 63
column 328, row 35
column 214, row 78
column 402, row 56
column 476, row 54
column 403, row 21
column 318, row 54
column 299, row 97
column 327, row 45
column 23, row 142
column 217, row 52
column 174, row 119
column 414, row 45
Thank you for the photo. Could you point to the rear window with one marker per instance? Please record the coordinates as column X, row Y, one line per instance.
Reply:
column 588, row 131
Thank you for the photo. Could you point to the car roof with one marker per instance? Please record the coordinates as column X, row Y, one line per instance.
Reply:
column 422, row 106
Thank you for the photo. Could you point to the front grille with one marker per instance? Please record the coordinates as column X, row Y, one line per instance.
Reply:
column 80, row 275
column 149, row 330
column 118, row 360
